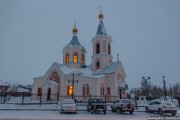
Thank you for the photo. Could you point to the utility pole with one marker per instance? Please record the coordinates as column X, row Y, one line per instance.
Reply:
column 164, row 82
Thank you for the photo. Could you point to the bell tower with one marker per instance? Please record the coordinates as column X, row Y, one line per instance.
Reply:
column 101, row 46
column 74, row 53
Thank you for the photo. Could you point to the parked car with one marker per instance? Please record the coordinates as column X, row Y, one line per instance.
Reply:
column 96, row 105
column 123, row 105
column 68, row 105
column 161, row 107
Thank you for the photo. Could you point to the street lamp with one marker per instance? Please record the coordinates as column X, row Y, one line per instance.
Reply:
column 164, row 82
column 145, row 80
column 73, row 81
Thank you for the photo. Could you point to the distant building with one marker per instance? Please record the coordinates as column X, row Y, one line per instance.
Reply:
column 4, row 86
column 102, row 77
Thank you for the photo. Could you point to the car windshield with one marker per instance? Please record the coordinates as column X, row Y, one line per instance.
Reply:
column 126, row 101
column 97, row 101
column 68, row 102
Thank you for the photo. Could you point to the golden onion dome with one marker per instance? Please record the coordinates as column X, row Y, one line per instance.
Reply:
column 75, row 30
column 101, row 16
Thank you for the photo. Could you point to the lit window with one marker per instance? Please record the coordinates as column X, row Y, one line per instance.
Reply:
column 75, row 58
column 70, row 90
column 67, row 58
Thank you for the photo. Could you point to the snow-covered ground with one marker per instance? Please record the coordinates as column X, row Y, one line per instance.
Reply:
column 51, row 112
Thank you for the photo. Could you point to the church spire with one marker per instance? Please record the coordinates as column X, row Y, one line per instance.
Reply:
column 74, row 40
column 74, row 30
column 100, row 14
column 101, row 29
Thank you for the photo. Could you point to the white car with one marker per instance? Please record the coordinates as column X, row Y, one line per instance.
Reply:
column 68, row 105
column 162, row 107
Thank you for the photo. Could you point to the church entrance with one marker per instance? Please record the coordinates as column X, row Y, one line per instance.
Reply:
column 49, row 94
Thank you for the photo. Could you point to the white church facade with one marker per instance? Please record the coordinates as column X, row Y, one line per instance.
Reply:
column 74, row 77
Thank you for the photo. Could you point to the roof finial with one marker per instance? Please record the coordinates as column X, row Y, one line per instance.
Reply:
column 75, row 30
column 101, row 15
column 117, row 57
column 100, row 10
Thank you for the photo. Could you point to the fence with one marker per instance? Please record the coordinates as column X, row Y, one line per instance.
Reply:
column 28, row 98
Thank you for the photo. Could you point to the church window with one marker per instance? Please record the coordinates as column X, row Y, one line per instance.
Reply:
column 102, row 89
column 82, row 59
column 97, row 65
column 85, row 89
column 70, row 90
column 67, row 58
column 108, row 91
column 109, row 49
column 97, row 48
column 75, row 58
column 39, row 91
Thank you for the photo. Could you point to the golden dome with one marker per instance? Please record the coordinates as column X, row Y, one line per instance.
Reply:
column 101, row 16
column 75, row 30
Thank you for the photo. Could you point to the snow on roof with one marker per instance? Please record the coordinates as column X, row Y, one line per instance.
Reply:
column 4, row 83
column 87, row 72
column 22, row 90
column 109, row 69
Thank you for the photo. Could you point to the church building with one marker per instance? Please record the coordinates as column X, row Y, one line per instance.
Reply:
column 75, row 78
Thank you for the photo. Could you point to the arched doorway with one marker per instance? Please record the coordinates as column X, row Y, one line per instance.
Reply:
column 49, row 94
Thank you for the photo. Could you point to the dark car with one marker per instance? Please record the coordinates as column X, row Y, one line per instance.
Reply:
column 123, row 105
column 96, row 105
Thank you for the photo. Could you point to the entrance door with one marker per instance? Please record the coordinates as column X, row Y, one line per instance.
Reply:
column 49, row 94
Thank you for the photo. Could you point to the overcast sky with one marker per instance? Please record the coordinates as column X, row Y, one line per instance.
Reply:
column 145, row 34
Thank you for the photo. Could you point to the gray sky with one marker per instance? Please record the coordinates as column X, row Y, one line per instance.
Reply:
column 145, row 34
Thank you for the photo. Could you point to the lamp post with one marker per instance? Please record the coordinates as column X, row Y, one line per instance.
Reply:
column 73, row 81
column 135, row 98
column 164, row 82
column 171, row 93
column 145, row 80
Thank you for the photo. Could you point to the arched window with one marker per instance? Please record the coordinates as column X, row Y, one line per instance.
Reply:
column 39, row 91
column 104, row 46
column 97, row 48
column 82, row 59
column 49, row 94
column 75, row 57
column 109, row 49
column 97, row 65
column 69, row 90
column 102, row 89
column 85, row 90
column 67, row 58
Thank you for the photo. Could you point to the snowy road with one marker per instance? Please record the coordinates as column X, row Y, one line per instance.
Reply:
column 81, row 115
